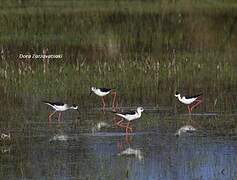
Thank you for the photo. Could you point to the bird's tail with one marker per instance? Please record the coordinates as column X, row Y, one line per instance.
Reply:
column 113, row 111
column 46, row 102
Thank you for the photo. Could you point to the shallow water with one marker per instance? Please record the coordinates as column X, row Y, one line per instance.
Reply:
column 73, row 150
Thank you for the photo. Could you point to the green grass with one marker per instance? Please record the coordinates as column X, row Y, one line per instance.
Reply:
column 98, row 23
column 137, row 79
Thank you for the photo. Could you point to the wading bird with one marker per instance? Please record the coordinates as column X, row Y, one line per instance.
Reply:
column 103, row 92
column 129, row 116
column 59, row 107
column 191, row 101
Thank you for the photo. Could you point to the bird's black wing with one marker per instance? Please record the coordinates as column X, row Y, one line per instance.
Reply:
column 128, row 112
column 54, row 103
column 195, row 96
column 105, row 89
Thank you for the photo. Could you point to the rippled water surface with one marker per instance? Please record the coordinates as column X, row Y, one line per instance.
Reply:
column 73, row 150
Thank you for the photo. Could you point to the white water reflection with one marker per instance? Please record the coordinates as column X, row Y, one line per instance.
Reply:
column 185, row 129
column 59, row 137
column 137, row 153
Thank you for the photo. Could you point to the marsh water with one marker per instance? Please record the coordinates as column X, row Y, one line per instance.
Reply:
column 146, row 51
column 90, row 146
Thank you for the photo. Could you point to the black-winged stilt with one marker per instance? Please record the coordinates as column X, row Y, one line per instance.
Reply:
column 129, row 116
column 59, row 107
column 103, row 92
column 191, row 101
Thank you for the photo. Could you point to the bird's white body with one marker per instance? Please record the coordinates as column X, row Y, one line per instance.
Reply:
column 130, row 117
column 98, row 92
column 185, row 100
column 59, row 107
column 62, row 107
column 185, row 129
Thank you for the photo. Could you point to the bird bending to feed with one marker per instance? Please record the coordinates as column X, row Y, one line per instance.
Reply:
column 103, row 92
column 129, row 116
column 191, row 101
column 59, row 107
column 185, row 129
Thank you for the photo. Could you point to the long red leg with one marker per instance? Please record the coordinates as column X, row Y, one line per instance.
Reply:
column 189, row 110
column 115, row 120
column 103, row 102
column 49, row 118
column 59, row 116
column 114, row 94
column 127, row 128
column 122, row 125
column 196, row 104
column 50, row 115
column 119, row 123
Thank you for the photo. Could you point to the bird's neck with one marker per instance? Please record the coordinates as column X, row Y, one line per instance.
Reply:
column 139, row 113
column 96, row 90
column 179, row 97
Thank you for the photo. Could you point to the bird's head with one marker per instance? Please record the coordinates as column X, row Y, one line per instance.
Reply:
column 140, row 109
column 92, row 90
column 75, row 107
column 177, row 94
